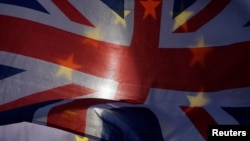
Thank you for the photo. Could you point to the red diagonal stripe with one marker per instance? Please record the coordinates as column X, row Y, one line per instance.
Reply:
column 200, row 118
column 204, row 16
column 140, row 66
column 71, row 12
column 63, row 92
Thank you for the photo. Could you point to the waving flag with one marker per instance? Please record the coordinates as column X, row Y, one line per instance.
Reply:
column 124, row 69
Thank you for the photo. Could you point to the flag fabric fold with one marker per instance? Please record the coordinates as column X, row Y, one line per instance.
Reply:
column 122, row 70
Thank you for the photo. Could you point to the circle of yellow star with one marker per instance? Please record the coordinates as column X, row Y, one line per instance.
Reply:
column 150, row 7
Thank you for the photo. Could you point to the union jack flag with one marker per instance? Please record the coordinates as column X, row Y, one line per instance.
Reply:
column 125, row 69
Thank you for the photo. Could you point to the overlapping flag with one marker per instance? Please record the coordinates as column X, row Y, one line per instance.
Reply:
column 132, row 70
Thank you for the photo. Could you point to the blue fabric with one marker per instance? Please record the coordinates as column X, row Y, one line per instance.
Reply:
column 241, row 114
column 247, row 24
column 32, row 4
column 130, row 124
column 181, row 5
column 7, row 71
column 116, row 5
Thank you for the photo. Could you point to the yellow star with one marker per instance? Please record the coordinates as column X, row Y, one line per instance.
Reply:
column 64, row 71
column 120, row 20
column 181, row 19
column 150, row 6
column 198, row 101
column 67, row 67
column 93, row 34
column 199, row 53
column 78, row 138
column 90, row 42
